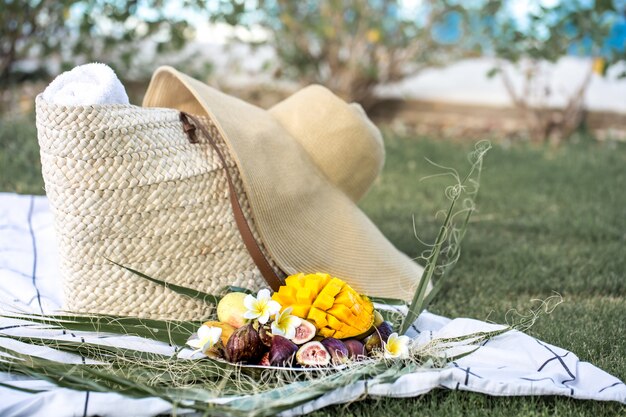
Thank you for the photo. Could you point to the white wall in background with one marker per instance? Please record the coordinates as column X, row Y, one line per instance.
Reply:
column 466, row 82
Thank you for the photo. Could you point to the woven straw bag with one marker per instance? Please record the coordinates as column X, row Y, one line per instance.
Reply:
column 126, row 184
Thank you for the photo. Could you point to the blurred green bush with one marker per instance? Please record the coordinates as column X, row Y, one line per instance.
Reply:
column 36, row 36
column 351, row 46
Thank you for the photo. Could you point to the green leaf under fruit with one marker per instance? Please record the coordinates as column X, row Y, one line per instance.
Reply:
column 167, row 331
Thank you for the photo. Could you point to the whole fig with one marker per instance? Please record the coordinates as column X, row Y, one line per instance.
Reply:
column 244, row 345
column 356, row 349
column 380, row 336
column 338, row 351
column 282, row 351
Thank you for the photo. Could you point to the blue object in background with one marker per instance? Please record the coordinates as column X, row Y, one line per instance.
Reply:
column 449, row 30
column 617, row 38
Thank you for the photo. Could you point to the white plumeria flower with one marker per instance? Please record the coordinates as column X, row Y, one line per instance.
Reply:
column 206, row 337
column 285, row 324
column 397, row 346
column 260, row 307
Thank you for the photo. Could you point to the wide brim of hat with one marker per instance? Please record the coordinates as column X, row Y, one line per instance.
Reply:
column 306, row 224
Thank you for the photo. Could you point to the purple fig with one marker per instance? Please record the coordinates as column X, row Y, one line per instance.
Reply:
column 282, row 351
column 304, row 332
column 356, row 349
column 338, row 351
column 244, row 345
column 380, row 336
column 313, row 354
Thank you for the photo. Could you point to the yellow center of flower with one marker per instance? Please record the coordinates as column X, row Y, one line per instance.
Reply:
column 397, row 346
column 260, row 307
column 394, row 347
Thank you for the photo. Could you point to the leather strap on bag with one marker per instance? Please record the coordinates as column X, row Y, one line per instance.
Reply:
column 261, row 262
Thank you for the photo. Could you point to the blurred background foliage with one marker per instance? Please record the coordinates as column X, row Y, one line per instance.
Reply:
column 548, row 33
column 41, row 36
column 351, row 46
column 354, row 45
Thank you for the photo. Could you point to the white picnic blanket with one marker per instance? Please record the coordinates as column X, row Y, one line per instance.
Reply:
column 510, row 364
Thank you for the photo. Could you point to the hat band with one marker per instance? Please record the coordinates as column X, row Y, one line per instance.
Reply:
column 261, row 262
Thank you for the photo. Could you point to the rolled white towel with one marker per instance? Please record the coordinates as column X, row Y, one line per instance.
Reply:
column 86, row 84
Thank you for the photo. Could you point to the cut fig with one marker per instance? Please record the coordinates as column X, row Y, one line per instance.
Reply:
column 338, row 351
column 356, row 349
column 313, row 354
column 282, row 351
column 304, row 332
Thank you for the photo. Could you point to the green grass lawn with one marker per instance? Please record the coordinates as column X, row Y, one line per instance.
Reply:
column 548, row 221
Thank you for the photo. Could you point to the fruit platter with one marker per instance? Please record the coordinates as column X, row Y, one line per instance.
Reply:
column 314, row 321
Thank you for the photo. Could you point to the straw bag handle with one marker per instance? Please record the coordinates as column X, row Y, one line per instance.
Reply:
column 259, row 259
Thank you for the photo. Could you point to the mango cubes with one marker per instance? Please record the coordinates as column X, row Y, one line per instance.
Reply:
column 335, row 308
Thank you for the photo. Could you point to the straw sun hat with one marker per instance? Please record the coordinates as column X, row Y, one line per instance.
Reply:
column 304, row 163
column 203, row 190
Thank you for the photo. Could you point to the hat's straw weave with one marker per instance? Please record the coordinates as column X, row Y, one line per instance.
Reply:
column 124, row 183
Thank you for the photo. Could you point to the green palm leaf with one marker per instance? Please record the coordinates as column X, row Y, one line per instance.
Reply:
column 167, row 331
column 187, row 292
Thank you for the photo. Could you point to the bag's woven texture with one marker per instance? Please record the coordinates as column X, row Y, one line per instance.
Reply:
column 124, row 183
